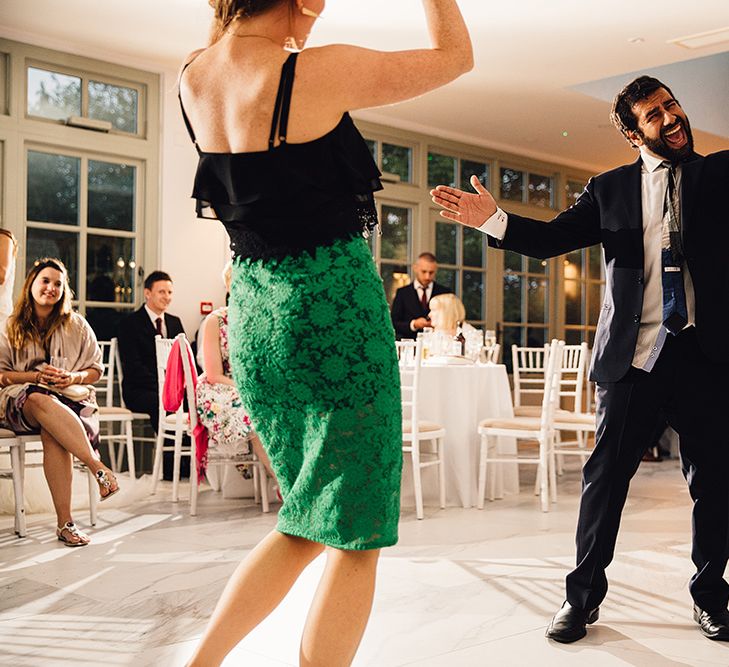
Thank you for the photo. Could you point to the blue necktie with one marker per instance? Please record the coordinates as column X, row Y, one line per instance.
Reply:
column 675, row 315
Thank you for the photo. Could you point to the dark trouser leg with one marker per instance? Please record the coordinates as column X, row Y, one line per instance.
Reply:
column 624, row 411
column 698, row 414
column 144, row 400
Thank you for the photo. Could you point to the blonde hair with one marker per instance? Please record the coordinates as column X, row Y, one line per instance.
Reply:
column 227, row 11
column 450, row 310
column 23, row 326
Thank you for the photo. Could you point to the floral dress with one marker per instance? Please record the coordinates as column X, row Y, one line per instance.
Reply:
column 219, row 407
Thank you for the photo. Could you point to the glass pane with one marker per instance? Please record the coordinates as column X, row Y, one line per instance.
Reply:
column 537, row 265
column 512, row 297
column 441, row 170
column 53, row 188
column 537, row 300
column 573, row 264
column 595, row 299
column 117, row 104
column 513, row 261
column 472, row 295
column 110, row 269
column 469, row 169
column 111, row 195
column 372, row 145
column 447, row 278
column 574, row 190
column 394, row 276
column 446, row 236
column 105, row 321
column 572, row 302
column 511, row 336
column 595, row 255
column 473, row 246
column 540, row 190
column 573, row 336
column 512, row 185
column 53, row 95
column 396, row 160
column 536, row 337
column 47, row 243
column 395, row 231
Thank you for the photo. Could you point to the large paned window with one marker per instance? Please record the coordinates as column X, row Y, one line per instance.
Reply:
column 83, row 209
column 84, row 137
column 57, row 95
column 395, row 161
column 526, row 302
column 527, row 187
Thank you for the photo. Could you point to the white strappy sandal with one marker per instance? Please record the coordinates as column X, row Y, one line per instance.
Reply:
column 81, row 538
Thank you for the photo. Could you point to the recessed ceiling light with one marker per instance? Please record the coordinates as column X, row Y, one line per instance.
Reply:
column 565, row 133
column 636, row 40
column 702, row 39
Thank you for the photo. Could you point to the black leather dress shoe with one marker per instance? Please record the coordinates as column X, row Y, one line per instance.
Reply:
column 713, row 624
column 568, row 624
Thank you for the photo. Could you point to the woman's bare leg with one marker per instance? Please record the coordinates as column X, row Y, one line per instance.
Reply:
column 256, row 588
column 58, row 471
column 340, row 610
column 63, row 426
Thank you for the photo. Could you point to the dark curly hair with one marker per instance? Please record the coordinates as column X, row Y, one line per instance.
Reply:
column 227, row 11
column 621, row 113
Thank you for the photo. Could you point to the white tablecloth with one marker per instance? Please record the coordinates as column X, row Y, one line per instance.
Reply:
column 458, row 398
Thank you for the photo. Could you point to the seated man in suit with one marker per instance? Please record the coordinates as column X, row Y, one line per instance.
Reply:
column 137, row 350
column 412, row 303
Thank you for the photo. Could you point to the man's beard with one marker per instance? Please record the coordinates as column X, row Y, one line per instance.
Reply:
column 673, row 155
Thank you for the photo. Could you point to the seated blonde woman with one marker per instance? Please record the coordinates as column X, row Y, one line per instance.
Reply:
column 54, row 399
column 447, row 315
column 219, row 407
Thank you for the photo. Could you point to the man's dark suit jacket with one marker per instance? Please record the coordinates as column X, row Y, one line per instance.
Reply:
column 406, row 307
column 609, row 211
column 136, row 348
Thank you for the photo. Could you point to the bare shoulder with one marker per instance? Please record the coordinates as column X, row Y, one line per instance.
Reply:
column 188, row 59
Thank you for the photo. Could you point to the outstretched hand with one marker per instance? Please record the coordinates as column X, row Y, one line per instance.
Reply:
column 468, row 208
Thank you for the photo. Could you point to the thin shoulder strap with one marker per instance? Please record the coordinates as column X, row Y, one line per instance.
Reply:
column 280, row 119
column 182, row 108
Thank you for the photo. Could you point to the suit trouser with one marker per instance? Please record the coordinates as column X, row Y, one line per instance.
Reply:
column 691, row 391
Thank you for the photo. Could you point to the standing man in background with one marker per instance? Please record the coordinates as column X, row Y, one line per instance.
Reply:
column 410, row 307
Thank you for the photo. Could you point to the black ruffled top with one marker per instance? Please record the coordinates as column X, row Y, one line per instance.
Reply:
column 292, row 197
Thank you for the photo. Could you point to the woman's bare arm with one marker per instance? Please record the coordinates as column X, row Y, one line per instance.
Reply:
column 212, row 357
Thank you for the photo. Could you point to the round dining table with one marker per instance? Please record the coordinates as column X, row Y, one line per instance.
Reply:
column 458, row 397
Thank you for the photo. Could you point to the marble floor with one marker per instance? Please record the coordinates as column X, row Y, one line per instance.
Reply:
column 462, row 588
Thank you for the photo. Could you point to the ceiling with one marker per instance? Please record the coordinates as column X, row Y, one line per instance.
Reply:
column 545, row 70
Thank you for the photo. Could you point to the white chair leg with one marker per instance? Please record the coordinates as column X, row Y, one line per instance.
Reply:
column 177, row 460
column 93, row 496
column 542, row 473
column 560, row 457
column 111, row 445
column 131, row 462
column 493, row 478
column 256, row 483
column 17, row 463
column 482, row 470
column 193, row 479
column 441, row 472
column 157, row 465
column 417, row 481
column 552, row 473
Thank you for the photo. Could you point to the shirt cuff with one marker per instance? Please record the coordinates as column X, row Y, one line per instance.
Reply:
column 496, row 225
column 412, row 328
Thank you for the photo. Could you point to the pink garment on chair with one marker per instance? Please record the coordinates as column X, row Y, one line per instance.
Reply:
column 172, row 395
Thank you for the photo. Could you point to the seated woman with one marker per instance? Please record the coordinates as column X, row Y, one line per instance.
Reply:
column 54, row 399
column 219, row 407
column 448, row 315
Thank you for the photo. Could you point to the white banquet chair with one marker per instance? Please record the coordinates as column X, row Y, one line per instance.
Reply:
column 415, row 431
column 539, row 428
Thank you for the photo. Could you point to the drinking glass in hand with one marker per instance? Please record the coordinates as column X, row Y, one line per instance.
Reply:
column 59, row 363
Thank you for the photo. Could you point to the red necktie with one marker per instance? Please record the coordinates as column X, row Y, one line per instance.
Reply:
column 424, row 299
column 158, row 324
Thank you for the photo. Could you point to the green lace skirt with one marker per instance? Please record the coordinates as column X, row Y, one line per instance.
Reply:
column 313, row 355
